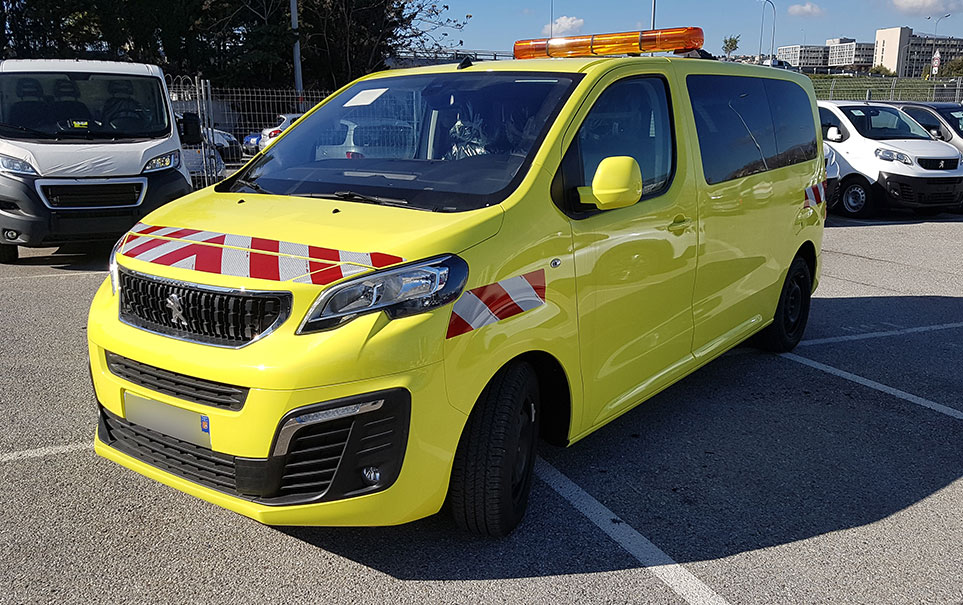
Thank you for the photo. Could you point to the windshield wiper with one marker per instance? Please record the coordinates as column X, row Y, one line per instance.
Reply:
column 353, row 196
column 252, row 186
column 46, row 135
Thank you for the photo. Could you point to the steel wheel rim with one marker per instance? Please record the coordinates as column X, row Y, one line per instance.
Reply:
column 523, row 450
column 794, row 305
column 854, row 198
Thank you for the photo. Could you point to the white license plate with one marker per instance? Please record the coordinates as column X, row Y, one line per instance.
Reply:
column 173, row 421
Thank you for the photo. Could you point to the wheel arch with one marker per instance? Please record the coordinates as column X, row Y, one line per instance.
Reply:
column 807, row 251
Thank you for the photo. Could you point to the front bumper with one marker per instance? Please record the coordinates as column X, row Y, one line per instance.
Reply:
column 920, row 192
column 414, row 464
column 35, row 224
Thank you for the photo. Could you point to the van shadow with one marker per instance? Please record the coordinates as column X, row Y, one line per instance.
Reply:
column 751, row 451
column 69, row 257
column 893, row 216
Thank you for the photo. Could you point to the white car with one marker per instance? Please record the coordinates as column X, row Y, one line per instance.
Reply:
column 269, row 134
column 886, row 158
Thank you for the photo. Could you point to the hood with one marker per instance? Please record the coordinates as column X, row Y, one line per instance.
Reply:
column 921, row 148
column 93, row 159
column 293, row 239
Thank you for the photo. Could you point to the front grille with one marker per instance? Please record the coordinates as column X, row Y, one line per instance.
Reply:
column 93, row 195
column 206, row 315
column 196, row 390
column 939, row 164
column 908, row 193
column 192, row 462
column 314, row 456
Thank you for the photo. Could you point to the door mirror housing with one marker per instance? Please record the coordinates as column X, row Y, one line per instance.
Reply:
column 834, row 135
column 936, row 134
column 189, row 128
column 617, row 184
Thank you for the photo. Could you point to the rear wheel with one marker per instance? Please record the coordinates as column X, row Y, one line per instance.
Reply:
column 856, row 199
column 792, row 312
column 8, row 254
column 492, row 473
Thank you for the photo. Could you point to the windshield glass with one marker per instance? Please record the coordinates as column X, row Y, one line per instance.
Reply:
column 882, row 123
column 67, row 105
column 444, row 142
column 954, row 117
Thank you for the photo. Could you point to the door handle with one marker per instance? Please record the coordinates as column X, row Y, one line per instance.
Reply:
column 681, row 223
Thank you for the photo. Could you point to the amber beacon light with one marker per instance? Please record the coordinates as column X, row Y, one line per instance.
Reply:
column 677, row 39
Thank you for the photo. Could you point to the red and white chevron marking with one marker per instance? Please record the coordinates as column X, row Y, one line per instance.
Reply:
column 815, row 195
column 485, row 305
column 244, row 256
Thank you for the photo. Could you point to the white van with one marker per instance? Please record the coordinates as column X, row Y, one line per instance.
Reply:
column 886, row 158
column 87, row 148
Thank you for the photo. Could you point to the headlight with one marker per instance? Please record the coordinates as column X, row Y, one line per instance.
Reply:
column 893, row 156
column 113, row 267
column 163, row 162
column 15, row 166
column 399, row 292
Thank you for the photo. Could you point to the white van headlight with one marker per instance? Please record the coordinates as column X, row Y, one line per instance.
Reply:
column 15, row 166
column 171, row 159
column 893, row 156
column 399, row 292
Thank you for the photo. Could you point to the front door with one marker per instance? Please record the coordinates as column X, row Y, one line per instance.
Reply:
column 635, row 266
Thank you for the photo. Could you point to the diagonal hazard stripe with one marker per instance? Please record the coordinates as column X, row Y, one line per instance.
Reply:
column 488, row 304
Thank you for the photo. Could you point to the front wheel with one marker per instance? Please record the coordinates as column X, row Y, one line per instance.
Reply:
column 792, row 311
column 492, row 473
column 856, row 199
column 8, row 254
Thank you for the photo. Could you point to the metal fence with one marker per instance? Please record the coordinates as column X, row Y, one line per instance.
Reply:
column 888, row 89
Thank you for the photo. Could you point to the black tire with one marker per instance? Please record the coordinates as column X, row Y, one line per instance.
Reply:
column 492, row 473
column 856, row 198
column 792, row 312
column 8, row 254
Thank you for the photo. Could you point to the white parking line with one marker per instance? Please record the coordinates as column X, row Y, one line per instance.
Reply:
column 45, row 451
column 926, row 403
column 675, row 576
column 867, row 335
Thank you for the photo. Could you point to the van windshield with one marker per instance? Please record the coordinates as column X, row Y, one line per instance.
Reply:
column 882, row 123
column 445, row 142
column 82, row 106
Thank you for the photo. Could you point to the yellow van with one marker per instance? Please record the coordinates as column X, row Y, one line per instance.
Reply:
column 355, row 330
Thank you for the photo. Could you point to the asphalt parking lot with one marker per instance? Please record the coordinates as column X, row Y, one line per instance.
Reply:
column 831, row 475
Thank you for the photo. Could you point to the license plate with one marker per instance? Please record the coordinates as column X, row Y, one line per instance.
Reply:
column 173, row 421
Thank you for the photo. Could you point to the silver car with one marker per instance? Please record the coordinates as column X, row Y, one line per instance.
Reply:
column 269, row 134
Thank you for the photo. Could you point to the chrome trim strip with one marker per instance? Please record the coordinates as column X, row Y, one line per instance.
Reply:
column 288, row 430
column 98, row 181
column 285, row 296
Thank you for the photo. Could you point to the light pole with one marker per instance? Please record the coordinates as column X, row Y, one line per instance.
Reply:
column 936, row 31
column 653, row 15
column 298, row 84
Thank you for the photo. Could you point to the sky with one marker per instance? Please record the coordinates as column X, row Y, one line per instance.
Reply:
column 496, row 24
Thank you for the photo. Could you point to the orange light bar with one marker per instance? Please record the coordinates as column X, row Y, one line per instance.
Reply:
column 678, row 39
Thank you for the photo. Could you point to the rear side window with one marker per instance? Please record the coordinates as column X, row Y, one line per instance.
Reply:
column 827, row 120
column 750, row 125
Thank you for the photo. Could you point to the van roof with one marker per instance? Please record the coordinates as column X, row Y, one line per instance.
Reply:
column 79, row 65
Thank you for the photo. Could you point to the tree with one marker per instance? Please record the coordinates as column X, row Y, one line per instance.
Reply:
column 730, row 44
column 881, row 70
column 952, row 68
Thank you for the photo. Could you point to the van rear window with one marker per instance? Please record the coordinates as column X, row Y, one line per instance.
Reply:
column 750, row 125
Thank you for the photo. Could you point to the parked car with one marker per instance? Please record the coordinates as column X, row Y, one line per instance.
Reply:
column 832, row 174
column 354, row 139
column 887, row 159
column 193, row 161
column 269, row 134
column 361, row 340
column 87, row 148
column 250, row 143
column 225, row 143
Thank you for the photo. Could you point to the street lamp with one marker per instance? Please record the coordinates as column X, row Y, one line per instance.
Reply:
column 762, row 24
column 936, row 30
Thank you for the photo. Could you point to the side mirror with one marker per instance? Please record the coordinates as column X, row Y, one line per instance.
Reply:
column 936, row 134
column 189, row 127
column 617, row 184
column 834, row 135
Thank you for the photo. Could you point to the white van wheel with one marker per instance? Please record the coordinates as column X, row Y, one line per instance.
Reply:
column 8, row 254
column 856, row 199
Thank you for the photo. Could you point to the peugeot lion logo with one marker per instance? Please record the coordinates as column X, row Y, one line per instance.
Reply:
column 177, row 311
column 942, row 163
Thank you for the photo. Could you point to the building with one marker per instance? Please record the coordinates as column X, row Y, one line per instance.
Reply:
column 850, row 53
column 805, row 57
column 910, row 55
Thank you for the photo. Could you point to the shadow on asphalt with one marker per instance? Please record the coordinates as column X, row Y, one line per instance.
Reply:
column 70, row 257
column 750, row 452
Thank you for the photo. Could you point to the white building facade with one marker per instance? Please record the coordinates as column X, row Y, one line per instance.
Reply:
column 910, row 55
